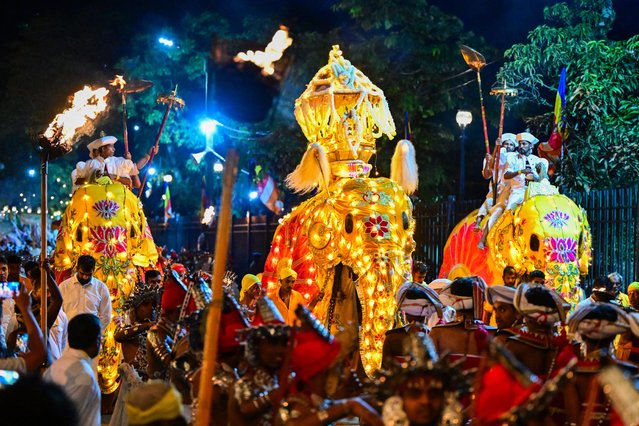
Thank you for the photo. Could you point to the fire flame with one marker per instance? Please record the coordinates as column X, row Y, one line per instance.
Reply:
column 86, row 104
column 273, row 52
column 118, row 81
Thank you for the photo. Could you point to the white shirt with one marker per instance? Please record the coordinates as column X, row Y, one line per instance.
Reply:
column 58, row 336
column 92, row 298
column 517, row 163
column 117, row 166
column 504, row 156
column 73, row 372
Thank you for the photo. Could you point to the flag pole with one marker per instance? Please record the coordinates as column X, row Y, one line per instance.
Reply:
column 205, row 398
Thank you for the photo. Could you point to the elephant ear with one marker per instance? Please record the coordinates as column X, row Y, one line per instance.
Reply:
column 312, row 171
column 404, row 166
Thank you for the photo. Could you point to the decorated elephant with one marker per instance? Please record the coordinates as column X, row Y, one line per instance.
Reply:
column 107, row 222
column 548, row 232
column 353, row 240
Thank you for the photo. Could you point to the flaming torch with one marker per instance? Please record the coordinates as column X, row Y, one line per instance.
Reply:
column 77, row 120
column 271, row 54
column 131, row 87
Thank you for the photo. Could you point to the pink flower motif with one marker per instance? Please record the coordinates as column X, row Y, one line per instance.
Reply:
column 108, row 241
column 106, row 208
column 562, row 250
column 377, row 226
column 556, row 218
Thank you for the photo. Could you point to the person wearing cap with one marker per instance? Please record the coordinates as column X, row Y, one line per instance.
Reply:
column 536, row 345
column 155, row 404
column 467, row 336
column 121, row 170
column 502, row 298
column 524, row 168
column 318, row 358
column 160, row 341
column 597, row 325
column 416, row 304
column 508, row 144
column 617, row 282
column 249, row 293
column 266, row 344
column 285, row 298
column 633, row 295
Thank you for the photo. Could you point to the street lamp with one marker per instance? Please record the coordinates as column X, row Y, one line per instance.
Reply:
column 168, row 178
column 218, row 167
column 165, row 41
column 31, row 172
column 208, row 127
column 463, row 118
column 253, row 195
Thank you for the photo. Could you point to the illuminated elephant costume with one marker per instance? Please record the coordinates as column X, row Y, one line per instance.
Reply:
column 548, row 232
column 107, row 222
column 352, row 240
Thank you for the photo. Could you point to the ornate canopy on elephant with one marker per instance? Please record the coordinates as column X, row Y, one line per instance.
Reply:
column 107, row 222
column 548, row 232
column 354, row 238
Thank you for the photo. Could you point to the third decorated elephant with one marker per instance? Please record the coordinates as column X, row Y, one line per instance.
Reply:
column 548, row 232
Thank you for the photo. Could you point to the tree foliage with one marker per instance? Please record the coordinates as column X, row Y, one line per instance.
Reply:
column 602, row 112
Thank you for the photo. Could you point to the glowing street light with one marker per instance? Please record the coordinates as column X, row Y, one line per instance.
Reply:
column 136, row 127
column 168, row 178
column 165, row 42
column 31, row 172
column 218, row 167
column 253, row 195
column 463, row 118
column 208, row 127
column 152, row 171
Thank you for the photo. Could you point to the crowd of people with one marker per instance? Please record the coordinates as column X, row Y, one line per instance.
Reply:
column 513, row 352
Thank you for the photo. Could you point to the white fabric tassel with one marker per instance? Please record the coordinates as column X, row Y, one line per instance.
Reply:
column 312, row 171
column 404, row 166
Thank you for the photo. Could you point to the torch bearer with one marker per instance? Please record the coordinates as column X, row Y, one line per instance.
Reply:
column 124, row 88
column 171, row 100
column 476, row 61
column 502, row 91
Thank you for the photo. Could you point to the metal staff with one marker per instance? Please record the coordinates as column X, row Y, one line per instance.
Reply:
column 503, row 92
column 171, row 100
column 476, row 61
column 215, row 313
column 124, row 88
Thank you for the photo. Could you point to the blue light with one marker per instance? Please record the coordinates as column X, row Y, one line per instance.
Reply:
column 253, row 195
column 31, row 172
column 152, row 171
column 136, row 127
column 165, row 41
column 208, row 126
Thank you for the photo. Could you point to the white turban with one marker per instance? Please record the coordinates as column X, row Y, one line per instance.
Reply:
column 509, row 137
column 439, row 284
column 598, row 328
column 500, row 293
column 525, row 136
column 539, row 313
column 424, row 306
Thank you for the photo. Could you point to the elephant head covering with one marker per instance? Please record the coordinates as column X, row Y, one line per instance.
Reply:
column 500, row 293
column 598, row 321
column 541, row 304
column 418, row 300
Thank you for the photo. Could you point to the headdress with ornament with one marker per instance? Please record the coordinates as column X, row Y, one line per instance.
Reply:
column 315, row 349
column 541, row 304
column 418, row 300
column 500, row 293
column 141, row 293
column 466, row 293
column 598, row 321
column 268, row 324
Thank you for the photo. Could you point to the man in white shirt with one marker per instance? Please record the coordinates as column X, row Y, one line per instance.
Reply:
column 73, row 370
column 119, row 169
column 524, row 168
column 85, row 294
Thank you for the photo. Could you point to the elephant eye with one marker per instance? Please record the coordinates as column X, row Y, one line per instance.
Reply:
column 348, row 223
column 534, row 242
column 405, row 221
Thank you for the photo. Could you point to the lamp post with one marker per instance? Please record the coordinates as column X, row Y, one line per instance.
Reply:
column 463, row 118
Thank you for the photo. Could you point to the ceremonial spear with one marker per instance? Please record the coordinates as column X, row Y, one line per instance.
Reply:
column 171, row 100
column 503, row 92
column 124, row 88
column 476, row 61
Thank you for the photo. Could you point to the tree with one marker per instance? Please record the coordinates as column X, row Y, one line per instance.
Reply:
column 602, row 146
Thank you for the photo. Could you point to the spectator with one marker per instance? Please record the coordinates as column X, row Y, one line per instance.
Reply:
column 14, row 262
column 537, row 277
column 73, row 370
column 617, row 281
column 153, row 277
column 419, row 272
column 85, row 294
column 29, row 361
column 603, row 290
column 7, row 304
column 52, row 406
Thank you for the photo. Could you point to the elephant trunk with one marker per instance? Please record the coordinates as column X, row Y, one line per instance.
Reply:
column 564, row 278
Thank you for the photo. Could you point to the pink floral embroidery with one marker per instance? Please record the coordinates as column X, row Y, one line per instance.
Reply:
column 106, row 208
column 108, row 241
column 556, row 218
column 561, row 250
column 377, row 226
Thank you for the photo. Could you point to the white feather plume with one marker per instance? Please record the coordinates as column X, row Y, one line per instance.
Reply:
column 404, row 166
column 311, row 172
